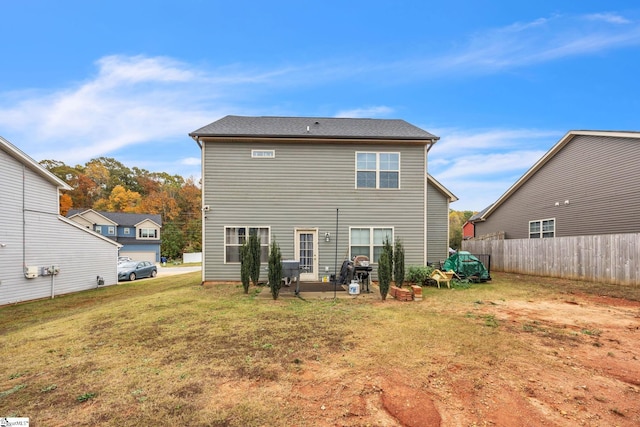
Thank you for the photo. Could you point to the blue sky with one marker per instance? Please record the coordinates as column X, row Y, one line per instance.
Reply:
column 499, row 81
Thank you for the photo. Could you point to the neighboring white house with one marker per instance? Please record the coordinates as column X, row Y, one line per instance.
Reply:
column 43, row 254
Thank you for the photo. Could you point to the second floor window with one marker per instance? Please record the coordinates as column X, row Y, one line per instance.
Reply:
column 377, row 170
column 148, row 233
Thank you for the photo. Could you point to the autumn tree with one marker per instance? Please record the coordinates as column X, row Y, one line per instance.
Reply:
column 66, row 203
column 456, row 221
column 105, row 184
column 120, row 200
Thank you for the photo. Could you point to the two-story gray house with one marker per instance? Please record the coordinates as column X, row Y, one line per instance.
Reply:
column 325, row 189
column 586, row 184
column 43, row 254
column 139, row 234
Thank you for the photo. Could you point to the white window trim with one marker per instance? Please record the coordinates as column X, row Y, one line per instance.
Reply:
column 157, row 233
column 263, row 154
column 371, row 244
column 127, row 231
column 224, row 240
column 111, row 230
column 377, row 171
column 541, row 234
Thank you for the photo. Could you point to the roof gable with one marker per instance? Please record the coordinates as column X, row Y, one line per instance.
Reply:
column 91, row 216
column 148, row 222
column 17, row 154
column 313, row 128
column 441, row 188
column 566, row 139
column 120, row 218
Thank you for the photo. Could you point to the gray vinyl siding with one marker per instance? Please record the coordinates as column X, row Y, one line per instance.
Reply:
column 37, row 236
column 597, row 175
column 437, row 225
column 301, row 188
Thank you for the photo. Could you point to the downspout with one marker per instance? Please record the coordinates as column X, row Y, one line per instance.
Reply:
column 53, row 288
column 424, row 210
column 427, row 148
column 24, row 222
column 203, row 212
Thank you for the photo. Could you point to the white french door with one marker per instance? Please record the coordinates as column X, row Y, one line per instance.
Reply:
column 307, row 253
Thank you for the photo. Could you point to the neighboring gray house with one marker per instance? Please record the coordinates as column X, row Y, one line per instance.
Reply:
column 43, row 254
column 139, row 234
column 325, row 189
column 438, row 200
column 587, row 184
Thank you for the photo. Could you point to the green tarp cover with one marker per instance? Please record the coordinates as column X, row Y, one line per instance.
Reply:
column 466, row 265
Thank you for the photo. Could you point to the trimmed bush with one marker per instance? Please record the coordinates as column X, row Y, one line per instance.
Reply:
column 254, row 257
column 398, row 263
column 419, row 274
column 385, row 269
column 245, row 262
column 275, row 270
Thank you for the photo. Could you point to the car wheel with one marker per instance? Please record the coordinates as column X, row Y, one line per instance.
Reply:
column 154, row 273
column 132, row 276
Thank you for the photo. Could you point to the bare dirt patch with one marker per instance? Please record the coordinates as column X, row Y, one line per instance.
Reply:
column 586, row 371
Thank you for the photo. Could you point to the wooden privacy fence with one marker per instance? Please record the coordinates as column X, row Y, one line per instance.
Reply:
column 610, row 258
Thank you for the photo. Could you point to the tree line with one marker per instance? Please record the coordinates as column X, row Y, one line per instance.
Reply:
column 105, row 184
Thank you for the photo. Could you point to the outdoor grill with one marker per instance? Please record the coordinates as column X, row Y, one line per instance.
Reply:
column 291, row 270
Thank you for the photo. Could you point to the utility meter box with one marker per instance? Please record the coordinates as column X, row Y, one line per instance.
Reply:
column 31, row 272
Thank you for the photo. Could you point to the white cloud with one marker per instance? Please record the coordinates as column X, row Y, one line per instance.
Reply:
column 366, row 112
column 538, row 41
column 131, row 100
column 478, row 166
column 190, row 161
column 612, row 18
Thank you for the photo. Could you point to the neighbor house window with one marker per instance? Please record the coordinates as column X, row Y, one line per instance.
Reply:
column 263, row 154
column 148, row 233
column 127, row 231
column 111, row 231
column 368, row 241
column 98, row 229
column 234, row 238
column 377, row 170
column 542, row 228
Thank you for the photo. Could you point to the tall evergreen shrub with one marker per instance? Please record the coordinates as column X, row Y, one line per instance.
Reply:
column 254, row 255
column 385, row 269
column 275, row 270
column 245, row 263
column 398, row 263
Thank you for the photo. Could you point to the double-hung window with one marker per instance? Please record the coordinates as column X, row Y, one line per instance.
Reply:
column 542, row 228
column 377, row 170
column 368, row 241
column 147, row 233
column 234, row 238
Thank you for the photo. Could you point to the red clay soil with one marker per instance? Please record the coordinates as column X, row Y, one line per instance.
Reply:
column 589, row 375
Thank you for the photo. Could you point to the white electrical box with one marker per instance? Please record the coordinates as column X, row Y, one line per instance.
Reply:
column 31, row 272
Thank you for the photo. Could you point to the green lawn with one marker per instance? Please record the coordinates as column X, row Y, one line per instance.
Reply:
column 172, row 352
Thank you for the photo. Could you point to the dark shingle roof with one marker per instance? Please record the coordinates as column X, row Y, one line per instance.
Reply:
column 312, row 127
column 121, row 218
